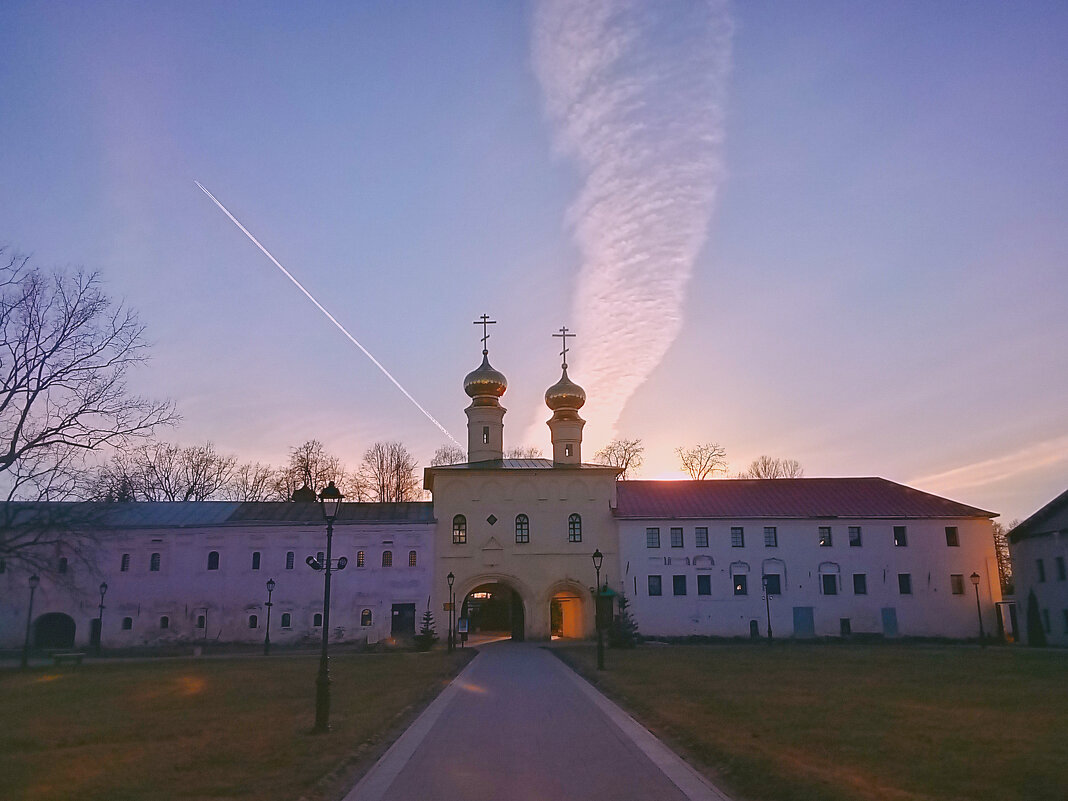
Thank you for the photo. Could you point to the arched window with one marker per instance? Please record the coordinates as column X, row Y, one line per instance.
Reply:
column 317, row 619
column 361, row 558
column 522, row 528
column 124, row 563
column 62, row 564
column 213, row 560
column 411, row 558
column 287, row 620
column 255, row 560
column 387, row 558
column 320, row 557
column 253, row 621
column 200, row 621
column 153, row 563
column 127, row 623
column 289, row 560
column 365, row 617
column 574, row 528
column 164, row 622
column 459, row 530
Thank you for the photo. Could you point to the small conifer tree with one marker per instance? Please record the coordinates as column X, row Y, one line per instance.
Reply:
column 426, row 637
column 1036, row 633
column 624, row 631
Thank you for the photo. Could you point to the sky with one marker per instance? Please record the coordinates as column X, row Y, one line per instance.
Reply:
column 833, row 232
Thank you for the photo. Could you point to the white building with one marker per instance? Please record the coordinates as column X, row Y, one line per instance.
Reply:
column 1039, row 548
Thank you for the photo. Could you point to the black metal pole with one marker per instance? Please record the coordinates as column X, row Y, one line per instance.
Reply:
column 322, row 681
column 267, row 634
column 979, row 613
column 449, row 642
column 597, row 623
column 29, row 618
column 100, row 625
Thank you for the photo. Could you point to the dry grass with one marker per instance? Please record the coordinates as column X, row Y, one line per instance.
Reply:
column 234, row 728
column 800, row 722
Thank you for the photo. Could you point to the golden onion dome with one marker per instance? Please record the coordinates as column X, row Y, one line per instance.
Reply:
column 485, row 381
column 565, row 394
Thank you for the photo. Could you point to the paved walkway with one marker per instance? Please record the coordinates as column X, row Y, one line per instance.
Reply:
column 518, row 725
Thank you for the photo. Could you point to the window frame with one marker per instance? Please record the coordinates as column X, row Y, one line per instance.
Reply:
column 367, row 618
column 901, row 536
column 291, row 559
column 825, row 537
column 287, row 620
column 956, row 583
column 765, row 582
column 652, row 536
column 154, row 562
column 574, row 527
column 413, row 559
column 740, row 581
column 704, row 584
column 737, row 536
column 317, row 620
column 700, row 536
column 164, row 622
column 387, row 558
column 904, row 584
column 127, row 623
column 256, row 560
column 681, row 540
column 1041, row 571
column 856, row 536
column 655, row 586
column 459, row 530
column 253, row 621
column 214, row 560
column 952, row 537
column 361, row 558
column 771, row 536
column 522, row 529
column 124, row 563
column 833, row 583
column 863, row 589
column 678, row 581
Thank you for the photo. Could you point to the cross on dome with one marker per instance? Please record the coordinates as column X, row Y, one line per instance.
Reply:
column 485, row 322
column 564, row 334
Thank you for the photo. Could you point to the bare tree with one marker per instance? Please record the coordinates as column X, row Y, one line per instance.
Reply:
column 627, row 454
column 388, row 473
column 311, row 466
column 65, row 352
column 767, row 467
column 524, row 452
column 251, row 481
column 161, row 471
column 1001, row 551
column 448, row 454
column 702, row 461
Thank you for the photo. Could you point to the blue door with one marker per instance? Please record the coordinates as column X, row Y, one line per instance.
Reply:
column 889, row 622
column 804, row 622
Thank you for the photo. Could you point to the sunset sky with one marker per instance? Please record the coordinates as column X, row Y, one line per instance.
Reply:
column 835, row 232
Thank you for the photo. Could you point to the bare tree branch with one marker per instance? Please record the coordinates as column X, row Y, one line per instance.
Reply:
column 448, row 454
column 626, row 454
column 702, row 461
column 388, row 472
column 767, row 467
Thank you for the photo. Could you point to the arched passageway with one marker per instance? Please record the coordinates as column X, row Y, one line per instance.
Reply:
column 494, row 608
column 53, row 630
column 566, row 615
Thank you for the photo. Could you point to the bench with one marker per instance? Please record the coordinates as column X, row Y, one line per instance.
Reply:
column 60, row 658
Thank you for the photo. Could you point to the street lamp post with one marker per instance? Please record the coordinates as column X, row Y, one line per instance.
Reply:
column 34, row 581
column 978, row 610
column 767, row 603
column 598, row 557
column 451, row 644
column 330, row 500
column 267, row 635
column 100, row 617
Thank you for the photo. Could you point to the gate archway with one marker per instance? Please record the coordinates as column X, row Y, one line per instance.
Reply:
column 493, row 606
column 53, row 630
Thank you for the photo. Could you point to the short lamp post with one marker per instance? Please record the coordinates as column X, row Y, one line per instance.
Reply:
column 767, row 602
column 598, row 558
column 267, row 634
column 451, row 643
column 34, row 581
column 330, row 500
column 978, row 610
column 100, row 618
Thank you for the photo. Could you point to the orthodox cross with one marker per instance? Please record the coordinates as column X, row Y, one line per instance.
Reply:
column 485, row 322
column 564, row 334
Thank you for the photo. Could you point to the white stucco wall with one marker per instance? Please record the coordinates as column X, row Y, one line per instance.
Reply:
column 1051, row 591
column 930, row 610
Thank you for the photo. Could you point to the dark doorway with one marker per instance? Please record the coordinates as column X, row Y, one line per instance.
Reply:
column 94, row 632
column 403, row 620
column 54, row 630
column 494, row 609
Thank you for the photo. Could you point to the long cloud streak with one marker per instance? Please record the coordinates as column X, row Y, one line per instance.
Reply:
column 329, row 316
column 636, row 92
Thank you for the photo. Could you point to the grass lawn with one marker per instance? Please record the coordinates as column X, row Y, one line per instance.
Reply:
column 212, row 728
column 796, row 722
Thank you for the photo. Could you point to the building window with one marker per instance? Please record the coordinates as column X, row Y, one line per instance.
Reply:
column 772, row 583
column 652, row 538
column 485, row 435
column 213, row 560
column 201, row 621
column 829, row 583
column 153, row 563
column 412, row 559
column 320, row 557
column 62, row 566
column 704, row 584
column 289, row 560
column 904, row 583
column 854, row 536
column 567, row 450
column 365, row 617
column 1041, row 570
column 860, row 584
column 522, row 529
column 771, row 537
column 825, row 536
column 654, row 585
column 387, row 558
column 737, row 537
column 1060, row 568
column 845, row 628
column 255, row 560
column 574, row 528
column 164, row 622
column 3, row 565
column 676, row 538
column 317, row 620
column 361, row 558
column 1045, row 620
column 740, row 585
column 287, row 620
column 253, row 621
column 952, row 538
column 700, row 537
column 124, row 563
column 127, row 623
column 459, row 530
column 678, row 585
column 956, row 583
column 901, row 536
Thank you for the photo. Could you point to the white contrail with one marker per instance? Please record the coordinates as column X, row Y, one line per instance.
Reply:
column 636, row 91
column 329, row 316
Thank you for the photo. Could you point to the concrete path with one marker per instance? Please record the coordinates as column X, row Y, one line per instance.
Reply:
column 518, row 725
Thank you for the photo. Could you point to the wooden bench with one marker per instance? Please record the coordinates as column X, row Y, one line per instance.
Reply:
column 67, row 656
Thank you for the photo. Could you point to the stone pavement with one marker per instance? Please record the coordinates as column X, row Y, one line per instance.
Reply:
column 519, row 725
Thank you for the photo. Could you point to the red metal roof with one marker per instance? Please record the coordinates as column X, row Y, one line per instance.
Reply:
column 785, row 498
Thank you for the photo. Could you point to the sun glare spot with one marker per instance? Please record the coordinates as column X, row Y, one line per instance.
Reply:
column 191, row 685
column 473, row 688
column 47, row 677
